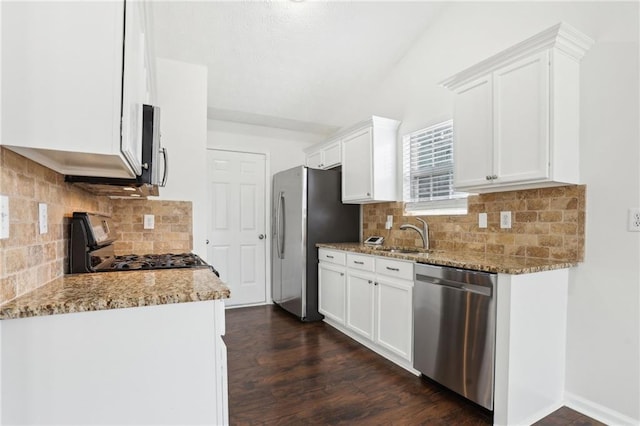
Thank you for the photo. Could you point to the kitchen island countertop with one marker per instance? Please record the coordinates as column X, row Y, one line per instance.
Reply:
column 115, row 290
column 477, row 261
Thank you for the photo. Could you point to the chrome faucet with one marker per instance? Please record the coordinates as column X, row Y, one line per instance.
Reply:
column 424, row 232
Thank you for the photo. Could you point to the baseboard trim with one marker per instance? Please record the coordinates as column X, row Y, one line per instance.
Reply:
column 597, row 411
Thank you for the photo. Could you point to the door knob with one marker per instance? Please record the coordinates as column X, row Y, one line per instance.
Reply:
column 262, row 236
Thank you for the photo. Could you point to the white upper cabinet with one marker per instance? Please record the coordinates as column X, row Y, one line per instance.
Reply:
column 369, row 169
column 73, row 85
column 516, row 122
column 324, row 156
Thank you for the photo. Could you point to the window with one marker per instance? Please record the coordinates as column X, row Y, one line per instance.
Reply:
column 428, row 172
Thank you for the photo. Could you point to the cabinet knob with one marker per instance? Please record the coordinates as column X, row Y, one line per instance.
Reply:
column 368, row 194
column 487, row 177
column 342, row 274
column 375, row 283
column 494, row 177
column 370, row 281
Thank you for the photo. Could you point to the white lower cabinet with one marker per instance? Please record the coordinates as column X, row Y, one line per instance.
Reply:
column 394, row 309
column 361, row 297
column 331, row 286
column 378, row 303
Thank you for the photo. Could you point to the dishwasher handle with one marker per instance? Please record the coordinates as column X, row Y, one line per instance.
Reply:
column 466, row 287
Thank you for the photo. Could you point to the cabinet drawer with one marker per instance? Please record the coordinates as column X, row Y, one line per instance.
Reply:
column 394, row 268
column 337, row 257
column 357, row 261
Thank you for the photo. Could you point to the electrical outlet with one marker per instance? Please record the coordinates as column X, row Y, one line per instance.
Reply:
column 149, row 221
column 43, row 218
column 482, row 220
column 505, row 220
column 4, row 216
column 389, row 223
column 634, row 220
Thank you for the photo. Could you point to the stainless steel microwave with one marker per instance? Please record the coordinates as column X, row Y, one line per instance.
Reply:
column 154, row 165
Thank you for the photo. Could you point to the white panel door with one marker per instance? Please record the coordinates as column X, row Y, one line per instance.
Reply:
column 237, row 233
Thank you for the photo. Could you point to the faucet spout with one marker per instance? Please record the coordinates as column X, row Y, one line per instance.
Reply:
column 424, row 232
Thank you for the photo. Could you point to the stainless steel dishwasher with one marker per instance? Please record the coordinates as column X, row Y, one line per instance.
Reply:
column 454, row 316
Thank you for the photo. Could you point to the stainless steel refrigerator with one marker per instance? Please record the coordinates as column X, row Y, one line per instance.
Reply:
column 307, row 209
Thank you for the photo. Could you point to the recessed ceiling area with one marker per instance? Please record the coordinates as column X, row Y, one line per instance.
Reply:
column 301, row 66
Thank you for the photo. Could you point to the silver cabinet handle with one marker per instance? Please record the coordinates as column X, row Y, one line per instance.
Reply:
column 329, row 257
column 358, row 263
column 262, row 236
column 393, row 269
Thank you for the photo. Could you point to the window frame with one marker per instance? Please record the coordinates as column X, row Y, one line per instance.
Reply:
column 456, row 202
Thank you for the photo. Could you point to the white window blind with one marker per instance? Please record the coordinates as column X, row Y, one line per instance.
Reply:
column 428, row 172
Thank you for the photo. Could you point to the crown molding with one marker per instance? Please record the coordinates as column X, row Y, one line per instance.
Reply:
column 561, row 36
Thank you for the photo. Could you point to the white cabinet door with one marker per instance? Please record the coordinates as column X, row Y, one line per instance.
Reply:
column 394, row 327
column 314, row 160
column 134, row 81
column 521, row 120
column 72, row 57
column 357, row 166
column 332, row 156
column 473, row 133
column 331, row 291
column 360, row 302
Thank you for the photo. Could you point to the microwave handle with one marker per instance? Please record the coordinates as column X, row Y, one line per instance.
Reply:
column 165, row 173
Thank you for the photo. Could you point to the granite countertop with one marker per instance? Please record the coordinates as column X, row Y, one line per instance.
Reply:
column 477, row 261
column 114, row 290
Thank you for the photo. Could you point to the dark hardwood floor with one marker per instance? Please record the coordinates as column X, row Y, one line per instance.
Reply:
column 282, row 371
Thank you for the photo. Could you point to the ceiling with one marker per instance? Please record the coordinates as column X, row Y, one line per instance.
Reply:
column 295, row 65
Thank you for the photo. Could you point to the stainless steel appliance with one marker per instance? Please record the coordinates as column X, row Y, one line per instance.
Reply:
column 454, row 329
column 307, row 209
column 91, row 250
column 155, row 166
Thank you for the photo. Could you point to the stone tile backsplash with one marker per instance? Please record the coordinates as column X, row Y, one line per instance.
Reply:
column 171, row 233
column 546, row 223
column 29, row 259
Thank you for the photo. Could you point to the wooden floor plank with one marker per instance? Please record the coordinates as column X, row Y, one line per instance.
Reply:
column 284, row 372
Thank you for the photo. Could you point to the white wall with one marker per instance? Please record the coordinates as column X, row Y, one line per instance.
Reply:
column 284, row 148
column 182, row 97
column 603, row 352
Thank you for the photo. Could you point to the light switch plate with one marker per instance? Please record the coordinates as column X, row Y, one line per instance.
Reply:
column 482, row 220
column 149, row 221
column 505, row 220
column 4, row 216
column 43, row 218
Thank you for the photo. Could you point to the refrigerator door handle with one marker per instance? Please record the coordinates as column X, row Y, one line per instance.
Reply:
column 279, row 211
